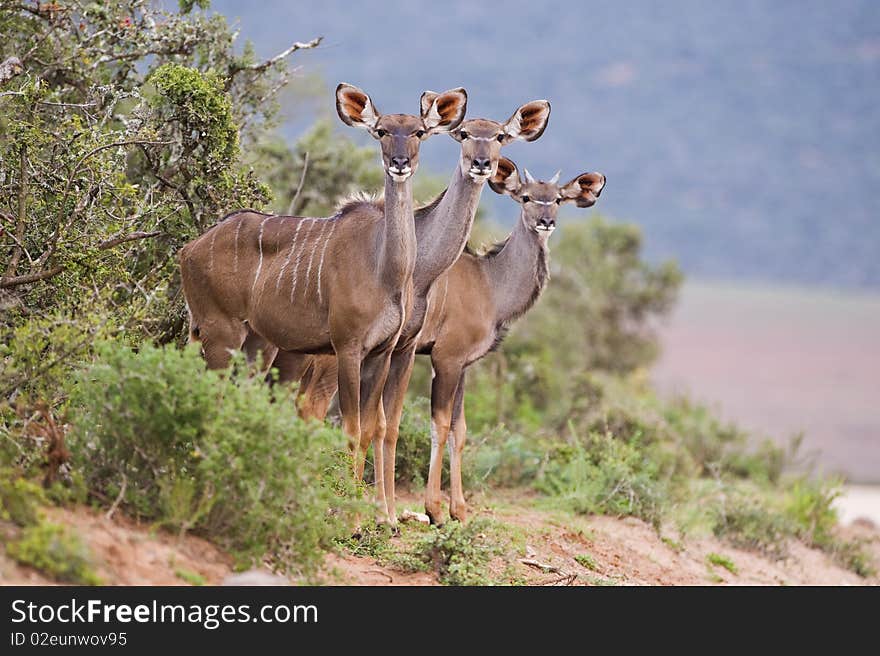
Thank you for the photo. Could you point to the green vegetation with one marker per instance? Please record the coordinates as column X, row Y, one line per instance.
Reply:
column 587, row 561
column 56, row 551
column 193, row 578
column 458, row 553
column 108, row 169
column 721, row 561
column 20, row 499
column 222, row 455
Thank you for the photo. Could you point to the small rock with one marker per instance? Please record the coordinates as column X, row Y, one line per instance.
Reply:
column 410, row 516
column 255, row 577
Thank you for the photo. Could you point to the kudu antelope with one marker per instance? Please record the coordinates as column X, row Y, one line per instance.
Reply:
column 470, row 308
column 341, row 285
column 442, row 230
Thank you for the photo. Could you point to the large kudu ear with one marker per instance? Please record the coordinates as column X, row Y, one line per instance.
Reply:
column 355, row 107
column 528, row 122
column 442, row 112
column 584, row 189
column 506, row 178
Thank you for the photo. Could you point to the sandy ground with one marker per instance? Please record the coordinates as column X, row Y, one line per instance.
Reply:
column 623, row 551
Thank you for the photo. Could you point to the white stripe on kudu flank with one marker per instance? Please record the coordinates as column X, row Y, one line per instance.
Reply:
column 324, row 250
column 296, row 262
column 211, row 249
column 237, row 230
column 260, row 263
column 323, row 223
column 289, row 255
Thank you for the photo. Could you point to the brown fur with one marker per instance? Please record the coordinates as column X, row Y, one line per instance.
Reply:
column 470, row 308
column 442, row 229
column 339, row 285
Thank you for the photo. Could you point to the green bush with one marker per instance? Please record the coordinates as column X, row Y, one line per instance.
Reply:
column 222, row 455
column 809, row 506
column 501, row 458
column 457, row 553
column 56, row 551
column 750, row 522
column 605, row 475
column 20, row 499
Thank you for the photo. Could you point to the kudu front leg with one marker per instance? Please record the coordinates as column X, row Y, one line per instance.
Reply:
column 349, row 383
column 393, row 398
column 443, row 388
column 373, row 424
column 258, row 352
column 457, row 438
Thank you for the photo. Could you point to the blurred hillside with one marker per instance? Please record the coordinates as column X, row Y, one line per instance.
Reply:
column 743, row 138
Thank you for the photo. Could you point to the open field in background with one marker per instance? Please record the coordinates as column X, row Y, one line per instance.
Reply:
column 782, row 360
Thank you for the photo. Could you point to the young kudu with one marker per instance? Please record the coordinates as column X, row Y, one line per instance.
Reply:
column 341, row 285
column 442, row 229
column 475, row 302
column 469, row 310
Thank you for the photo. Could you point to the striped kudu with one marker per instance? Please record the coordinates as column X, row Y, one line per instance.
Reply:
column 442, row 230
column 469, row 310
column 341, row 285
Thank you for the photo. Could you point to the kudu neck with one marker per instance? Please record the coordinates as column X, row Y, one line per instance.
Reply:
column 518, row 272
column 398, row 250
column 442, row 232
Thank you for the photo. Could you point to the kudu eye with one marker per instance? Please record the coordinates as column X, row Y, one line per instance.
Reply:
column 381, row 133
column 500, row 137
column 525, row 199
column 464, row 135
column 419, row 133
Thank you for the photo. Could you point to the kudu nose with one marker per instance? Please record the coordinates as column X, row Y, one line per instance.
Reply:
column 546, row 223
column 481, row 164
column 400, row 163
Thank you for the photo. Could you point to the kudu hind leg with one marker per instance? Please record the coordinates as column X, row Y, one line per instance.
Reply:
column 443, row 388
column 457, row 438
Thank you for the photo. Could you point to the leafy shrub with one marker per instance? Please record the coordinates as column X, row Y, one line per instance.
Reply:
column 225, row 456
column 586, row 560
column 810, row 507
column 606, row 476
column 502, row 458
column 722, row 561
column 56, row 551
column 458, row 553
column 20, row 499
column 749, row 522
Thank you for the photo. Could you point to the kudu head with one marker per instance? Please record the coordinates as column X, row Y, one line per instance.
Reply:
column 400, row 135
column 481, row 139
column 540, row 200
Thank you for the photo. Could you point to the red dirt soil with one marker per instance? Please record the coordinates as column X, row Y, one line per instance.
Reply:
column 624, row 552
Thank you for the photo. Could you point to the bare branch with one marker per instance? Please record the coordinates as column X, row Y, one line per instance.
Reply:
column 299, row 45
column 134, row 236
column 53, row 240
column 302, row 179
column 119, row 498
column 31, row 277
column 12, row 269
